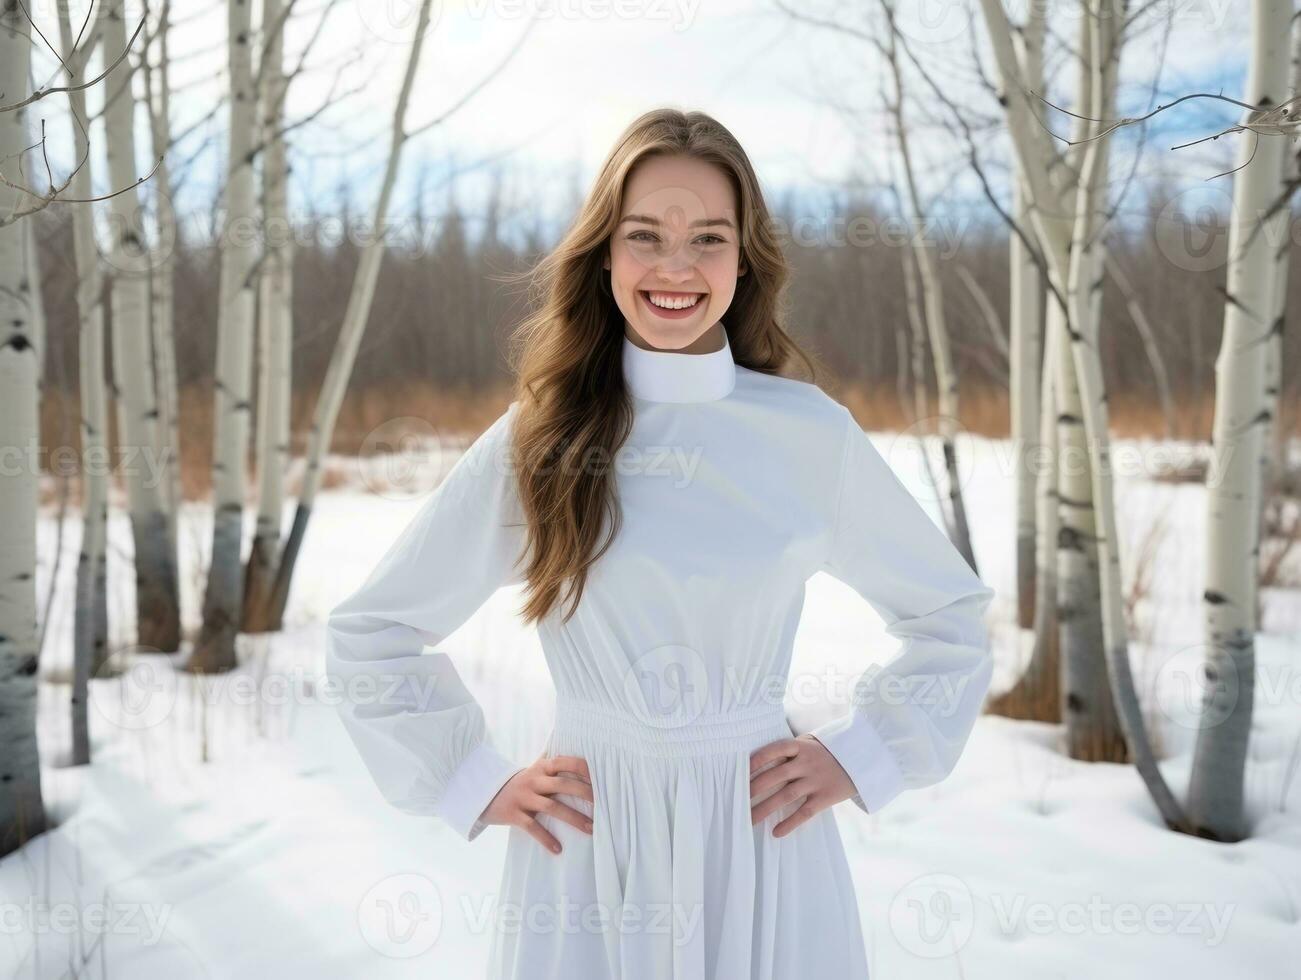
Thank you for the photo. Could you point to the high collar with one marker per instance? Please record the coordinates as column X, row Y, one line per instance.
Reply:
column 674, row 376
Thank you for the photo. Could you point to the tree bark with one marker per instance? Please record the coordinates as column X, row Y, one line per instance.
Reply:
column 22, row 812
column 275, row 341
column 90, row 625
column 214, row 652
column 158, row 625
column 1233, row 490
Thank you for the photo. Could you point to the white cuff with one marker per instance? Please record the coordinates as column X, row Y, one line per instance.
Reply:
column 478, row 778
column 861, row 752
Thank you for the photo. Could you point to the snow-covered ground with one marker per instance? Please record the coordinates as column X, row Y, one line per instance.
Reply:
column 228, row 829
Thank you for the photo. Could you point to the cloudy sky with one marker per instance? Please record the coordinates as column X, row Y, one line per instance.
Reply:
column 805, row 101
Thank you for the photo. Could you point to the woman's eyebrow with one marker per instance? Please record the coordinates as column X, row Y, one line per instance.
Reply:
column 649, row 219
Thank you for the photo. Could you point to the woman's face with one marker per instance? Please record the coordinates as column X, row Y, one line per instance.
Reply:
column 678, row 243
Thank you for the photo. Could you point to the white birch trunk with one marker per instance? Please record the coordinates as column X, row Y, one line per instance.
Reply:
column 1026, row 341
column 157, row 601
column 223, row 601
column 1273, row 457
column 1233, row 490
column 162, row 278
column 90, row 627
column 275, row 339
column 1036, row 695
column 354, row 324
column 1093, row 728
column 1053, row 230
column 22, row 813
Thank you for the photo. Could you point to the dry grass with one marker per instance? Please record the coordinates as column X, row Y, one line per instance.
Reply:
column 468, row 412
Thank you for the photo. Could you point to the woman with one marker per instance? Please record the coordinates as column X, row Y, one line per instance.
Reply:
column 658, row 469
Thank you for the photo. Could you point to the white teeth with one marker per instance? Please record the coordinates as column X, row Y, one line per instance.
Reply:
column 673, row 302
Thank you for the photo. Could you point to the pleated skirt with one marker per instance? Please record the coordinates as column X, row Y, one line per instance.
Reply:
column 674, row 882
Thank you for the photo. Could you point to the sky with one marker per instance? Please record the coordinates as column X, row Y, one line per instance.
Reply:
column 805, row 101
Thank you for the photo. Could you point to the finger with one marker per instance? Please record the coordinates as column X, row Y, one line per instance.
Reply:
column 771, row 780
column 540, row 834
column 772, row 753
column 567, row 763
column 562, row 811
column 807, row 811
column 567, row 784
column 795, row 790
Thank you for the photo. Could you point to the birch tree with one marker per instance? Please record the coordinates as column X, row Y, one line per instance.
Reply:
column 1053, row 227
column 158, row 624
column 1025, row 328
column 275, row 333
column 1233, row 484
column 22, row 812
column 214, row 650
column 162, row 268
column 1092, row 726
column 90, row 625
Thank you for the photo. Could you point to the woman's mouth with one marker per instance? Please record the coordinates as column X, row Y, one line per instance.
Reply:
column 671, row 305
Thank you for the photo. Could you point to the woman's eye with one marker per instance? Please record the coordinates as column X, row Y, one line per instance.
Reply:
column 703, row 239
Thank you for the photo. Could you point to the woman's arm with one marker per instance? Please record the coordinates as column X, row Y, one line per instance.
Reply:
column 420, row 732
column 912, row 716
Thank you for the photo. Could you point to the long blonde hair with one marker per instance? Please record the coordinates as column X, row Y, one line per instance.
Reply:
column 575, row 410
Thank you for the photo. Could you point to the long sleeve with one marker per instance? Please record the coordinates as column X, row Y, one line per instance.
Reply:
column 419, row 731
column 910, row 717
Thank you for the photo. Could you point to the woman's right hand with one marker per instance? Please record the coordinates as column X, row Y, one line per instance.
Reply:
column 532, row 791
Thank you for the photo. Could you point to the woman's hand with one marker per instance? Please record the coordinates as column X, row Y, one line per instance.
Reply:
column 532, row 791
column 800, row 767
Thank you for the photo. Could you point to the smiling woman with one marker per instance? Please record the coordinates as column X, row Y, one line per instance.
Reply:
column 673, row 827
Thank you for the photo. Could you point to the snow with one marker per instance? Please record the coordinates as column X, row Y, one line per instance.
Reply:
column 227, row 827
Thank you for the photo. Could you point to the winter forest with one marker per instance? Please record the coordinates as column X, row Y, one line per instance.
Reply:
column 260, row 267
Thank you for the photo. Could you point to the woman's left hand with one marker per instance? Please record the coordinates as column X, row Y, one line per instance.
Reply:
column 800, row 767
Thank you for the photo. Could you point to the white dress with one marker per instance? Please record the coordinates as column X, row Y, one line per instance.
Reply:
column 735, row 487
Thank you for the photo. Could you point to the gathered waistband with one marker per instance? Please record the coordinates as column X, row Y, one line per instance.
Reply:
column 738, row 729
